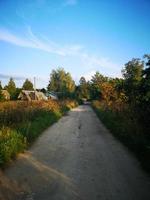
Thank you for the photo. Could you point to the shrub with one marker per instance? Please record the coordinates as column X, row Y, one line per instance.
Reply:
column 125, row 127
column 11, row 142
column 23, row 121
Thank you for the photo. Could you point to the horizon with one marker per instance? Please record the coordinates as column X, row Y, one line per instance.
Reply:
column 80, row 36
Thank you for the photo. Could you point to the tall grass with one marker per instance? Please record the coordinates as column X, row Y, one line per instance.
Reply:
column 125, row 127
column 11, row 142
column 21, row 122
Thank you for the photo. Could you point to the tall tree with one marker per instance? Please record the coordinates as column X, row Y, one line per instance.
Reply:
column 1, row 96
column 96, row 83
column 83, row 88
column 11, row 88
column 145, row 84
column 61, row 82
column 132, row 74
column 143, row 103
column 147, row 69
column 1, row 86
column 27, row 85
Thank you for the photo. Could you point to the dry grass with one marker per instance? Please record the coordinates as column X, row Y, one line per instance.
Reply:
column 21, row 122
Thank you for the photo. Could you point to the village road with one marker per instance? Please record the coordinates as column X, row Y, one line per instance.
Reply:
column 75, row 159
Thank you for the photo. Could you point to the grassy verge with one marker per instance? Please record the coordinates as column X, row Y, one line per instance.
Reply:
column 126, row 128
column 22, row 122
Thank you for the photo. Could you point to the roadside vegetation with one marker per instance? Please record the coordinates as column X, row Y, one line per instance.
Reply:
column 123, row 105
column 21, row 122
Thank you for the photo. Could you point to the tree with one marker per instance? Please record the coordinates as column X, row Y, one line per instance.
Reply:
column 11, row 88
column 132, row 74
column 108, row 93
column 1, row 86
column 133, row 70
column 96, row 82
column 43, row 90
column 146, row 71
column 17, row 92
column 143, row 105
column 61, row 82
column 145, row 85
column 27, row 85
column 1, row 96
column 83, row 88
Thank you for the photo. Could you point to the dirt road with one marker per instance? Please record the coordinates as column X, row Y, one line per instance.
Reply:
column 75, row 159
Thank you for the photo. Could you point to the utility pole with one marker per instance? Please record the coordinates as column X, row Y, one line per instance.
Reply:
column 34, row 88
column 34, row 83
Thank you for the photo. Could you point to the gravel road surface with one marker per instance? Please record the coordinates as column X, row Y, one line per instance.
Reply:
column 75, row 159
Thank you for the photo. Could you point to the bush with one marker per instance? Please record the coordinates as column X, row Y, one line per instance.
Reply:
column 23, row 121
column 11, row 142
column 31, row 130
column 125, row 127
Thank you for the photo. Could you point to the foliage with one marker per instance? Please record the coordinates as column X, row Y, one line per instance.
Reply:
column 124, row 107
column 61, row 82
column 96, row 81
column 1, row 86
column 125, row 127
column 21, row 122
column 83, row 90
column 1, row 96
column 132, row 74
column 11, row 142
column 43, row 90
column 11, row 88
column 27, row 85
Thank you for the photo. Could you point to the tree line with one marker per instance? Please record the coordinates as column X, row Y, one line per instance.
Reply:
column 122, row 103
column 125, row 100
column 132, row 89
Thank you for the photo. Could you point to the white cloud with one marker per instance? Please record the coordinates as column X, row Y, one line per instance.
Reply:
column 45, row 46
column 33, row 41
column 93, row 60
column 88, row 61
column 9, row 37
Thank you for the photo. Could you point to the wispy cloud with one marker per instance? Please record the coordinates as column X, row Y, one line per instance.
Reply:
column 91, row 61
column 32, row 41
column 6, row 76
column 6, row 36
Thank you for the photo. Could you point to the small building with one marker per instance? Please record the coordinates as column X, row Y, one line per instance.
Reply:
column 31, row 95
column 5, row 94
column 51, row 95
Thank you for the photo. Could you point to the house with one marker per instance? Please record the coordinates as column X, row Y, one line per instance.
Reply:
column 31, row 95
column 5, row 94
column 51, row 95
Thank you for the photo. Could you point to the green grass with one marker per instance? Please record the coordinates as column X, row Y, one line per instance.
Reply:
column 31, row 129
column 11, row 142
column 23, row 122
column 15, row 140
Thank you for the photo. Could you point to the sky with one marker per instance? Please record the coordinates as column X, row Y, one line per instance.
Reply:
column 81, row 36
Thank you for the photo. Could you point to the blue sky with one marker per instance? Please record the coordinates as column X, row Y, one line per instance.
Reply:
column 82, row 36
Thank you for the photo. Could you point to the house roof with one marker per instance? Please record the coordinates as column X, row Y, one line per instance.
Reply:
column 32, row 95
column 6, row 94
column 52, row 95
